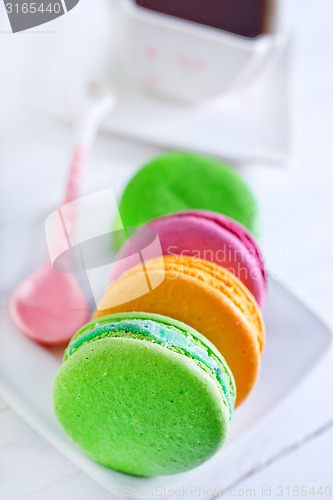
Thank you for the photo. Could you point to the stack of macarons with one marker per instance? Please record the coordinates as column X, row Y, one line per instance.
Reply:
column 148, row 387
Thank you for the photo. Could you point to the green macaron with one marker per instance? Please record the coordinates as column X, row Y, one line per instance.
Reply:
column 144, row 394
column 175, row 182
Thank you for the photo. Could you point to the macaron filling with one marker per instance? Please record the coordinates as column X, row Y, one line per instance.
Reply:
column 168, row 336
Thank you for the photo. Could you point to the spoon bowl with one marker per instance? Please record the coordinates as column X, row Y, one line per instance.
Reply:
column 49, row 306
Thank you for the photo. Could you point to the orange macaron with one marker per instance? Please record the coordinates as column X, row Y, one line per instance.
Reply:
column 203, row 295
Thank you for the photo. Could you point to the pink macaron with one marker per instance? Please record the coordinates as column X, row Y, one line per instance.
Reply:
column 202, row 234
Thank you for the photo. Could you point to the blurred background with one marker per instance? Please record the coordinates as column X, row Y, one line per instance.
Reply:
column 43, row 82
column 274, row 126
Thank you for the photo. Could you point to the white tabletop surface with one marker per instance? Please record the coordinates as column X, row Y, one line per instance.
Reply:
column 294, row 446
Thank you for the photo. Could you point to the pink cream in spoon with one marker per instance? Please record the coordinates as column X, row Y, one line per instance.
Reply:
column 49, row 306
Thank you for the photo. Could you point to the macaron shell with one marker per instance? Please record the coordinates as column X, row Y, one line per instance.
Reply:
column 240, row 232
column 233, row 226
column 217, row 277
column 204, row 235
column 178, row 181
column 138, row 407
column 197, row 302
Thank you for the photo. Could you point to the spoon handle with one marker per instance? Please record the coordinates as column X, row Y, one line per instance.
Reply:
column 86, row 134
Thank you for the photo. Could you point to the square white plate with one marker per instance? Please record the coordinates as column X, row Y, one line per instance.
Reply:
column 296, row 340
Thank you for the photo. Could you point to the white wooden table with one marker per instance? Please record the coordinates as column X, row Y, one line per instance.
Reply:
column 297, row 206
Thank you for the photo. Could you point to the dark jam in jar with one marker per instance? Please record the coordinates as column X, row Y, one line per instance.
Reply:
column 242, row 17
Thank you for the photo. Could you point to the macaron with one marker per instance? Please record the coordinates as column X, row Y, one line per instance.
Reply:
column 203, row 295
column 144, row 394
column 178, row 181
column 202, row 234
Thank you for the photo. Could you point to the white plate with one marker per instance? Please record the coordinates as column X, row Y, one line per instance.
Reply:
column 257, row 117
column 296, row 340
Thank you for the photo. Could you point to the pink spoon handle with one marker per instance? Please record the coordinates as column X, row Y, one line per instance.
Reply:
column 86, row 134
column 77, row 168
